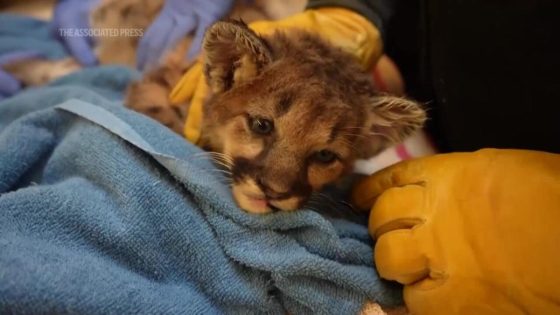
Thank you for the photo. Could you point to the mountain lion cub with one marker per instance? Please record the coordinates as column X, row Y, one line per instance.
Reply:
column 291, row 113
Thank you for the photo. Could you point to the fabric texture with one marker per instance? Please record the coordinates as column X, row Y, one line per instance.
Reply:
column 21, row 33
column 105, row 211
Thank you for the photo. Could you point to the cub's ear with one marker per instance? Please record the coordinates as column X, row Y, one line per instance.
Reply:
column 390, row 120
column 233, row 54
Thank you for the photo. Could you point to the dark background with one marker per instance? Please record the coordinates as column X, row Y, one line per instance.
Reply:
column 489, row 70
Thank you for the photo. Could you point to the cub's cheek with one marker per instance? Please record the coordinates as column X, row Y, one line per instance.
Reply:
column 321, row 175
column 239, row 143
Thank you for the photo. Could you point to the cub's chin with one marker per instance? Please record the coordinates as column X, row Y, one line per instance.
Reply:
column 250, row 198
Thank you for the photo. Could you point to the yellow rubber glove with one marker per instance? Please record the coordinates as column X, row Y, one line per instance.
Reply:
column 343, row 28
column 469, row 233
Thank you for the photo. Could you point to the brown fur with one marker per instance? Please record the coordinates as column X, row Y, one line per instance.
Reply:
column 316, row 96
column 150, row 96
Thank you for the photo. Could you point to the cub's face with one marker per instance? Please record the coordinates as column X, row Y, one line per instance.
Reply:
column 292, row 114
column 285, row 142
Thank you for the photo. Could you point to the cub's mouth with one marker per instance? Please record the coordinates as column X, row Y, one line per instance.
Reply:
column 251, row 198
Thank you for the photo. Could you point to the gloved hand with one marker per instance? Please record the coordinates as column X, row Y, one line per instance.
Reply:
column 73, row 16
column 469, row 233
column 9, row 85
column 343, row 28
column 177, row 19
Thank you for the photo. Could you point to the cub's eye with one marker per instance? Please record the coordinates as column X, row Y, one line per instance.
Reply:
column 325, row 156
column 261, row 126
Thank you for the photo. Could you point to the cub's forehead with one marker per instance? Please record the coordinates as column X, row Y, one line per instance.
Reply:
column 299, row 105
column 316, row 122
column 305, row 99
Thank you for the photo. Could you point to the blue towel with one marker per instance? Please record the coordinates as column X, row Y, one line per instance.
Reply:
column 105, row 211
column 19, row 32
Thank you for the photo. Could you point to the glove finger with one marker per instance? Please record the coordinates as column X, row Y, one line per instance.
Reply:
column 81, row 50
column 403, row 173
column 182, row 28
column 194, row 120
column 162, row 35
column 196, row 44
column 19, row 55
column 152, row 41
column 398, row 257
column 397, row 208
column 8, row 84
column 184, row 90
column 149, row 48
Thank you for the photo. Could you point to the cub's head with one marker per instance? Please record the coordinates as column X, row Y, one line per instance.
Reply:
column 292, row 113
